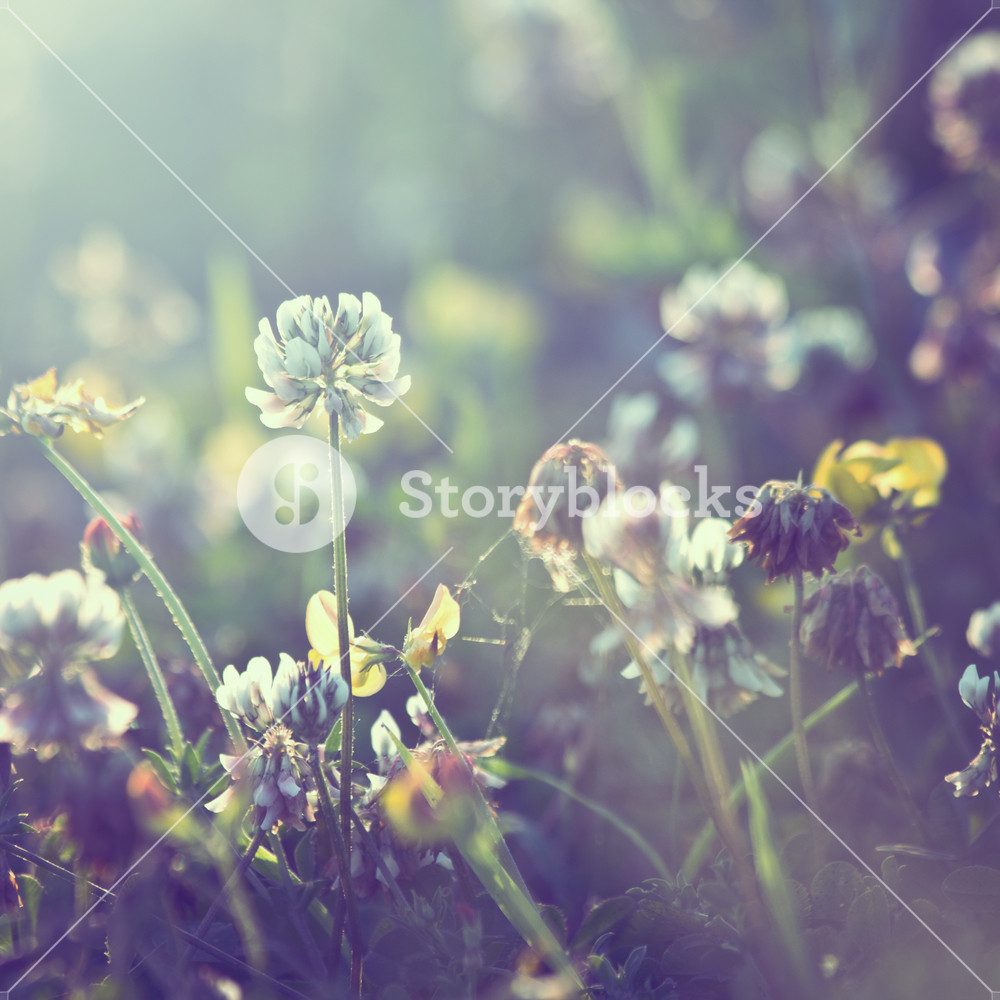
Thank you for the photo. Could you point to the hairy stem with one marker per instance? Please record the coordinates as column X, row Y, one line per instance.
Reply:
column 882, row 745
column 344, row 864
column 173, row 604
column 156, row 677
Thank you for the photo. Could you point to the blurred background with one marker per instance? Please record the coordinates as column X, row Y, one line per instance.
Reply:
column 534, row 189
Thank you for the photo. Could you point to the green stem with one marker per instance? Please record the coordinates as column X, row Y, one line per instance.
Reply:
column 609, row 597
column 882, row 745
column 487, row 853
column 795, row 698
column 343, row 632
column 368, row 842
column 344, row 864
column 241, row 867
column 505, row 769
column 156, row 677
column 156, row 578
column 294, row 913
column 770, row 761
column 944, row 686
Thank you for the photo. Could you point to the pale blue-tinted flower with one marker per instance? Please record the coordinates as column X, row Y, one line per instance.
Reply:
column 980, row 694
column 345, row 359
column 248, row 695
column 983, row 633
column 308, row 697
column 277, row 778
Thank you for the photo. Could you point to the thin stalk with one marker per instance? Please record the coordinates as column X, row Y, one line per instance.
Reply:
column 609, row 598
column 770, row 761
column 943, row 685
column 882, row 745
column 795, row 698
column 343, row 633
column 368, row 842
column 166, row 593
column 487, row 853
column 243, row 864
column 294, row 914
column 156, row 678
column 344, row 864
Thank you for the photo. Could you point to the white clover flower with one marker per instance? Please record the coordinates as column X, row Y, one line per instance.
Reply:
column 248, row 695
column 346, row 359
column 58, row 620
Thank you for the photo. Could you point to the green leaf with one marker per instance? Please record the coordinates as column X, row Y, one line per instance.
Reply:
column 31, row 895
column 305, row 858
column 164, row 771
column 332, row 747
column 601, row 919
column 833, row 890
column 977, row 887
column 868, row 924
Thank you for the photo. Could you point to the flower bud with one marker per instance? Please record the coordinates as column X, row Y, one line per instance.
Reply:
column 103, row 551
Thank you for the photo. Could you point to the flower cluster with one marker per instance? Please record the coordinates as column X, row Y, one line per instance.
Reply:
column 52, row 628
column 43, row 408
column 980, row 694
column 796, row 529
column 345, row 358
column 852, row 622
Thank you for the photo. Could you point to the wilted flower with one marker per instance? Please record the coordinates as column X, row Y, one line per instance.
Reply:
column 102, row 551
column 51, row 708
column 796, row 529
column 308, row 697
column 277, row 777
column 852, row 622
column 980, row 694
column 59, row 619
column 965, row 102
column 43, row 408
column 248, row 695
column 567, row 484
column 983, row 633
column 368, row 657
column 345, row 359
column 427, row 641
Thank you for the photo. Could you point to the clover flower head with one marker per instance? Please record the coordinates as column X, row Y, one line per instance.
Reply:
column 308, row 697
column 566, row 486
column 964, row 94
column 277, row 778
column 983, row 633
column 248, row 695
column 43, row 408
column 368, row 657
column 52, row 709
column 345, row 358
column 852, row 622
column 427, row 641
column 980, row 694
column 793, row 529
column 57, row 620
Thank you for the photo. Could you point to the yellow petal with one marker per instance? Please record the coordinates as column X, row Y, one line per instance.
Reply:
column 442, row 616
column 321, row 624
column 367, row 680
